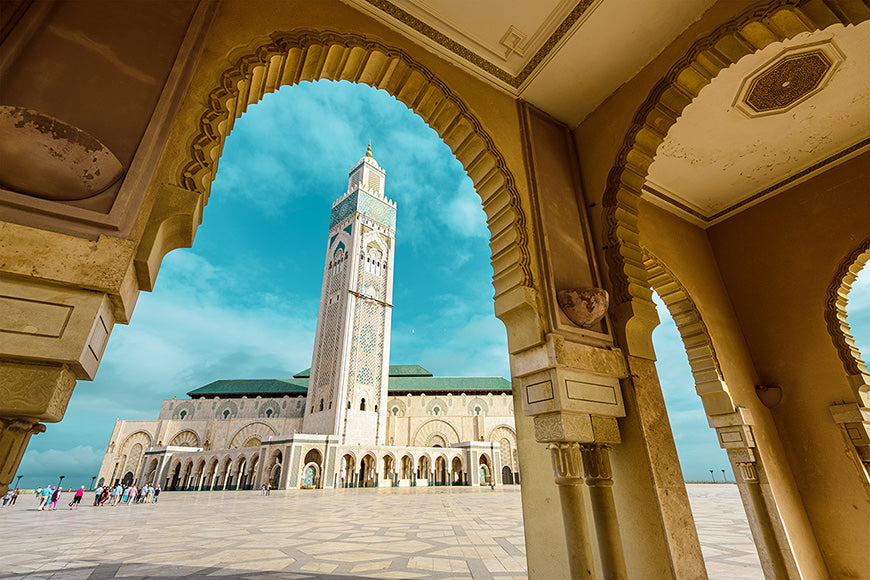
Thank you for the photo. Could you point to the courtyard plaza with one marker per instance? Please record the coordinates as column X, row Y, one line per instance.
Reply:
column 446, row 532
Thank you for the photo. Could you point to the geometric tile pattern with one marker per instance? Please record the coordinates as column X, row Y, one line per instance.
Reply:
column 726, row 541
column 344, row 534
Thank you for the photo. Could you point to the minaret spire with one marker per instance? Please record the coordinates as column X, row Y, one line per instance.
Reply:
column 369, row 150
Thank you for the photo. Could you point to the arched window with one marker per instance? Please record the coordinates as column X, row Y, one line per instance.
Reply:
column 376, row 408
column 395, row 411
column 477, row 410
column 348, row 405
column 182, row 415
column 269, row 413
column 362, row 405
column 226, row 413
column 321, row 404
column 435, row 410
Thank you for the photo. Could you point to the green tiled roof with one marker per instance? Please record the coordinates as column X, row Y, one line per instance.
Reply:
column 399, row 385
column 395, row 371
column 239, row 387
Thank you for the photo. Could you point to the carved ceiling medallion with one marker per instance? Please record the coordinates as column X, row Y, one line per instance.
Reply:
column 792, row 77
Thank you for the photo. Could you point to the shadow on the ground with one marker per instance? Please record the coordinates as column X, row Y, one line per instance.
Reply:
column 135, row 571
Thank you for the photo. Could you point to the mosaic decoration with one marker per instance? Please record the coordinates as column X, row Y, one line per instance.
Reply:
column 788, row 81
column 366, row 204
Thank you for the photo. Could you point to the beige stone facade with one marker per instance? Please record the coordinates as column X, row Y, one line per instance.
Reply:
column 434, row 440
column 614, row 145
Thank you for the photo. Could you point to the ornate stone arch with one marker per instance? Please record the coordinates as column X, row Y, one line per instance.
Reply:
column 838, row 326
column 287, row 58
column 183, row 410
column 273, row 406
column 397, row 403
column 185, row 438
column 433, row 428
column 477, row 402
column 750, row 32
column 438, row 402
column 139, row 437
column 257, row 430
column 709, row 380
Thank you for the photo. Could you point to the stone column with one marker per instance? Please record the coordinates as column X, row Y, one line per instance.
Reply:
column 599, row 479
column 568, row 471
column 736, row 437
column 771, row 555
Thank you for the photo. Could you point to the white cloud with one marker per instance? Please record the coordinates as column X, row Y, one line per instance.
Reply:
column 47, row 465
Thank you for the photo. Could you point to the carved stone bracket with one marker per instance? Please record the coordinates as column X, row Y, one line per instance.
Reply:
column 855, row 422
column 14, row 435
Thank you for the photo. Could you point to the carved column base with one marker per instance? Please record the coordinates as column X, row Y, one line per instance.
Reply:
column 14, row 436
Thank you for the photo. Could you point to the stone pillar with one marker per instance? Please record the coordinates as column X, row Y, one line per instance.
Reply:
column 29, row 394
column 50, row 335
column 765, row 538
column 599, row 479
column 736, row 437
column 573, row 393
column 568, row 471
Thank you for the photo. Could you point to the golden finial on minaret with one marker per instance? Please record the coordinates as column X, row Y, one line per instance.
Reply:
column 369, row 150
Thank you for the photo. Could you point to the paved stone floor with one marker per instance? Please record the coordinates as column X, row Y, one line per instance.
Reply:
column 329, row 534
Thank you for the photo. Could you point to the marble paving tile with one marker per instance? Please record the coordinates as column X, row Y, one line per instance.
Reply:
column 432, row 533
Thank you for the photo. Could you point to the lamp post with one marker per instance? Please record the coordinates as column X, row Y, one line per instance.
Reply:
column 724, row 477
column 18, row 483
column 712, row 477
column 59, row 483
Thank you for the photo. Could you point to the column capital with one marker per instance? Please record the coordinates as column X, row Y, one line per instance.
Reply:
column 567, row 463
column 596, row 465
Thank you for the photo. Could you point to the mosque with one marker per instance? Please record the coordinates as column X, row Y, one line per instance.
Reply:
column 352, row 419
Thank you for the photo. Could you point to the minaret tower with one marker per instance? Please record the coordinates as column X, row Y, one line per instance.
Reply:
column 347, row 391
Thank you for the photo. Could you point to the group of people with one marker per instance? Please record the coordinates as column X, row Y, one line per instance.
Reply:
column 10, row 497
column 125, row 494
column 47, row 497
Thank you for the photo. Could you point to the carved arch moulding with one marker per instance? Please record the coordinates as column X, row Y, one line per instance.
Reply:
column 748, row 33
column 287, row 58
column 838, row 326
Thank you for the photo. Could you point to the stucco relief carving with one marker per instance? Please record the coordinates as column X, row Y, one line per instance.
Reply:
column 50, row 159
column 186, row 438
column 585, row 307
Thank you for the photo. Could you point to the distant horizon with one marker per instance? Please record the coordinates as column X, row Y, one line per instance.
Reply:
column 242, row 302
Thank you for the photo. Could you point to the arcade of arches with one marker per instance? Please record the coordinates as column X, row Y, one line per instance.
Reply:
column 720, row 157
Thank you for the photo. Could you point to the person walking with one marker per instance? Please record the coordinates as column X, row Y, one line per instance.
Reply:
column 15, row 495
column 55, row 496
column 77, row 498
column 44, row 496
column 116, row 494
column 98, row 493
column 8, row 497
column 156, row 493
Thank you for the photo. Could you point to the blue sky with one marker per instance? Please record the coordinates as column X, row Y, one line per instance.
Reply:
column 242, row 303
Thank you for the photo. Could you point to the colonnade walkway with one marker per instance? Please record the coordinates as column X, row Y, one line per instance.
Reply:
column 446, row 532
